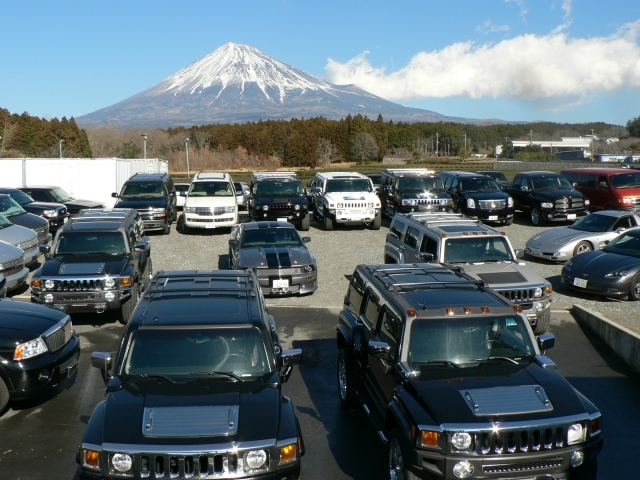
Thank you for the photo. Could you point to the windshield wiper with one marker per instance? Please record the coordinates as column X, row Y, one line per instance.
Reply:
column 146, row 375
column 214, row 372
column 58, row 254
column 508, row 359
column 440, row 362
column 104, row 253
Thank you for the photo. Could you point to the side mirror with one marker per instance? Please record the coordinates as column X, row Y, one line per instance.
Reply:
column 233, row 242
column 426, row 257
column 519, row 252
column 454, row 190
column 574, row 184
column 115, row 195
column 288, row 359
column 392, row 235
column 44, row 248
column 379, row 349
column 603, row 185
column 103, row 361
column 172, row 193
column 524, row 188
column 183, row 194
column 306, row 239
column 546, row 341
column 141, row 246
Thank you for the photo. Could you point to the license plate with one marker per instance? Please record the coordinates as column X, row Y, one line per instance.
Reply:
column 282, row 219
column 493, row 217
column 72, row 369
column 281, row 283
column 65, row 219
column 571, row 216
column 209, row 225
column 579, row 282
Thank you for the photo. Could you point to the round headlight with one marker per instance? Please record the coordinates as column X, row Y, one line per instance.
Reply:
column 109, row 282
column 463, row 469
column 340, row 205
column 256, row 458
column 49, row 284
column 308, row 268
column 414, row 202
column 296, row 207
column 121, row 462
column 575, row 434
column 265, row 207
column 537, row 292
column 461, row 440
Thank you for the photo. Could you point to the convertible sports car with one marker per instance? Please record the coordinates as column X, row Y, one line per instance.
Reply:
column 612, row 272
column 276, row 252
column 589, row 233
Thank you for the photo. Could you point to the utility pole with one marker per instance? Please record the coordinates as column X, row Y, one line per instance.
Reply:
column 61, row 142
column 186, row 146
column 144, row 136
column 465, row 141
column 437, row 134
column 592, row 145
column 530, row 137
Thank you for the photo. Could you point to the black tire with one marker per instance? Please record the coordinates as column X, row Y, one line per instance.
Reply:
column 398, row 458
column 346, row 381
column 328, row 223
column 167, row 229
column 543, row 322
column 508, row 222
column 536, row 217
column 126, row 309
column 4, row 396
column 582, row 247
column 634, row 288
column 185, row 229
column 305, row 224
column 375, row 225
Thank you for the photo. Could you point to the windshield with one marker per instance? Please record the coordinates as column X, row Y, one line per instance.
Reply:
column 626, row 180
column 211, row 189
column 551, row 182
column 420, row 184
column 20, row 197
column 477, row 250
column 143, row 190
column 468, row 339
column 626, row 244
column 496, row 176
column 260, row 237
column 485, row 184
column 277, row 188
column 594, row 223
column 196, row 352
column 349, row 185
column 9, row 207
column 91, row 243
column 60, row 195
column 4, row 221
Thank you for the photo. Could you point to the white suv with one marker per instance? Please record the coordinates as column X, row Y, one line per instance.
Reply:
column 344, row 197
column 210, row 202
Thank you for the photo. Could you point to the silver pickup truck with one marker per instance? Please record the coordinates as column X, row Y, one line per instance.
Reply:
column 483, row 253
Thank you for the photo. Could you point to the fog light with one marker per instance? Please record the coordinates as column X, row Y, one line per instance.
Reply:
column 339, row 212
column 549, row 215
column 48, row 297
column 463, row 469
column 121, row 462
column 110, row 296
column 48, row 284
column 539, row 307
column 577, row 459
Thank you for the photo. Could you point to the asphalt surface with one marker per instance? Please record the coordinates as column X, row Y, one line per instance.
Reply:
column 39, row 439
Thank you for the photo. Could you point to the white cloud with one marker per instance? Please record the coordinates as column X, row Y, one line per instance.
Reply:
column 566, row 6
column 489, row 27
column 552, row 71
column 523, row 8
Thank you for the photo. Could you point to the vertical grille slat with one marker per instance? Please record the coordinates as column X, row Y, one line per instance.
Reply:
column 505, row 442
column 59, row 337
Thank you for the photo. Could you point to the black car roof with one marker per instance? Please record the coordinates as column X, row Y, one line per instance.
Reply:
column 539, row 174
column 266, row 225
column 464, row 173
column 147, row 177
column 200, row 298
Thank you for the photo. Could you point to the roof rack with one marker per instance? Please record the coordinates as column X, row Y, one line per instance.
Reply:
column 258, row 175
column 385, row 276
column 211, row 176
column 162, row 280
column 427, row 218
column 401, row 171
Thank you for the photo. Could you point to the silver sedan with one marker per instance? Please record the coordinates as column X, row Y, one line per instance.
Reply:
column 589, row 233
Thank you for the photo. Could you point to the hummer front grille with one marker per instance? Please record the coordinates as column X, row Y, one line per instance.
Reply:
column 354, row 204
column 569, row 202
column 518, row 296
column 520, row 441
column 431, row 201
column 77, row 285
column 492, row 204
column 59, row 337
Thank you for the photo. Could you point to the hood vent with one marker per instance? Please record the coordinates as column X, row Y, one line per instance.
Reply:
column 81, row 268
column 205, row 421
column 507, row 400
column 498, row 278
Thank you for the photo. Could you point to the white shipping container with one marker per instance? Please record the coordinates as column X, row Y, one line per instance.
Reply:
column 87, row 178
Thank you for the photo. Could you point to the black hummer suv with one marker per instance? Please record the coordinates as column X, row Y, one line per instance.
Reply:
column 547, row 197
column 100, row 260
column 413, row 190
column 455, row 382
column 194, row 390
column 279, row 196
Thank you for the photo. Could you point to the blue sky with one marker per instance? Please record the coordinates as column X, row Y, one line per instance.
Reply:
column 524, row 60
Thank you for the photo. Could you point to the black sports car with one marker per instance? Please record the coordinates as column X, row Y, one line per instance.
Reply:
column 278, row 255
column 613, row 271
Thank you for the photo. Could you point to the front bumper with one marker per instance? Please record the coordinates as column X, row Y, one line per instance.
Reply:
column 57, row 221
column 17, row 279
column 81, row 301
column 355, row 217
column 552, row 215
column 290, row 215
column 155, row 223
column 491, row 215
column 281, row 284
column 193, row 220
column 34, row 376
column 30, row 256
column 549, row 254
column 606, row 287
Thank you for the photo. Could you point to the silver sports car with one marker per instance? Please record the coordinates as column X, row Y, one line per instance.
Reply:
column 589, row 233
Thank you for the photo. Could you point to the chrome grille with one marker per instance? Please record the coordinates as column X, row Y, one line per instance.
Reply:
column 431, row 201
column 210, row 210
column 12, row 267
column 354, row 204
column 59, row 337
column 77, row 285
column 520, row 441
column 211, row 220
column 569, row 202
column 518, row 296
column 278, row 272
column 281, row 206
column 43, row 230
column 492, row 204
column 29, row 244
column 523, row 467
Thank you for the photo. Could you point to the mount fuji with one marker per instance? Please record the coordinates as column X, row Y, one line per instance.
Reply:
column 238, row 83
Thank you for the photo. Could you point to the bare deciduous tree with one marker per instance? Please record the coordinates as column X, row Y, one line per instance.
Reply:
column 327, row 152
column 201, row 139
column 363, row 146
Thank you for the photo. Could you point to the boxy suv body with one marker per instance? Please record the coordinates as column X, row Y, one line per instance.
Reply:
column 607, row 188
column 195, row 389
column 406, row 190
column 153, row 195
column 211, row 202
column 344, row 197
column 99, row 261
column 278, row 196
column 483, row 252
column 454, row 381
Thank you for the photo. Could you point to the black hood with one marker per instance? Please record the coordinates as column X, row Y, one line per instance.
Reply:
column 495, row 195
column 87, row 265
column 257, row 406
column 76, row 204
column 141, row 203
column 557, row 193
column 39, row 207
column 442, row 389
column 21, row 322
column 28, row 220
column 264, row 198
column 410, row 194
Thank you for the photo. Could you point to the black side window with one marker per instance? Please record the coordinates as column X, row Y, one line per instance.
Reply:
column 517, row 182
column 454, row 182
column 371, row 309
column 411, row 238
column 591, row 181
column 390, row 331
column 355, row 292
column 429, row 245
column 39, row 196
column 397, row 227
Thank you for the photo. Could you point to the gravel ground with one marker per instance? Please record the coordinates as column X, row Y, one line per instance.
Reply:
column 339, row 251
